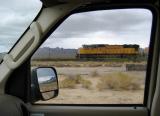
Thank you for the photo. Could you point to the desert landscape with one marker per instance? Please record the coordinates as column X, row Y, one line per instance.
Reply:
column 93, row 82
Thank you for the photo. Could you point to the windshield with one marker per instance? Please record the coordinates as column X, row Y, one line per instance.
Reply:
column 15, row 17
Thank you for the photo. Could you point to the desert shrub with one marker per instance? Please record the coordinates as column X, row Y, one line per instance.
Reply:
column 67, row 83
column 118, row 81
column 78, row 79
column 86, row 84
column 72, row 81
column 95, row 73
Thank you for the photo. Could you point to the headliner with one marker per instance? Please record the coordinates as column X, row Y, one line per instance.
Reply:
column 49, row 3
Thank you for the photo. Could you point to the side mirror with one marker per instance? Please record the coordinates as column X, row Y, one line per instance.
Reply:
column 44, row 83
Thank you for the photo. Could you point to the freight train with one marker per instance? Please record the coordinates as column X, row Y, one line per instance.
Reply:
column 94, row 52
column 108, row 51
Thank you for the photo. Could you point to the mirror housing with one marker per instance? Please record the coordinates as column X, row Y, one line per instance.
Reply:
column 44, row 83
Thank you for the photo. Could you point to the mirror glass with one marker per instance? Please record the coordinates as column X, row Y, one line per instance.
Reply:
column 47, row 80
column 48, row 95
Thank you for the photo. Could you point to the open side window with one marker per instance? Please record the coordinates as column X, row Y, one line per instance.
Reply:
column 101, row 57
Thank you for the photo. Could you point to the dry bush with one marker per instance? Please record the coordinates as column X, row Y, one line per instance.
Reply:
column 95, row 73
column 118, row 81
column 86, row 84
column 72, row 81
column 68, row 82
column 78, row 79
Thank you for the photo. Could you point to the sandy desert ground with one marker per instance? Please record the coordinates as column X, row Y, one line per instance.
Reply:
column 92, row 95
column 84, row 96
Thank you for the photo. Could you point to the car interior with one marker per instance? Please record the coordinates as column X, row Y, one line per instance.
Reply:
column 18, row 91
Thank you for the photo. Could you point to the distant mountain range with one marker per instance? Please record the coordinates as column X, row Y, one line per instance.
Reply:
column 51, row 53
column 54, row 53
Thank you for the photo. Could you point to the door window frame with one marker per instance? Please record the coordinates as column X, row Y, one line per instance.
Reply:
column 89, row 8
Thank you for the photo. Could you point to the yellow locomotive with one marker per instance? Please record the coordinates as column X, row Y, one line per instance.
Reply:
column 108, row 51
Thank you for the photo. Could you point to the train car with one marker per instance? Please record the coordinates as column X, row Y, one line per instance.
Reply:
column 108, row 51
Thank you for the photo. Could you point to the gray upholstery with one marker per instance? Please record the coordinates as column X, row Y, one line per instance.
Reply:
column 155, row 111
column 10, row 106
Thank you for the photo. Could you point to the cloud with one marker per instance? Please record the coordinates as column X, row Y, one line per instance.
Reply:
column 125, row 26
column 15, row 15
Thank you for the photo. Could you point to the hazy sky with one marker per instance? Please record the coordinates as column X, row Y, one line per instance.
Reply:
column 15, row 17
column 101, row 27
column 129, row 26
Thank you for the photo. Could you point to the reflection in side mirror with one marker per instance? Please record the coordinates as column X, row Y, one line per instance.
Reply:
column 47, row 82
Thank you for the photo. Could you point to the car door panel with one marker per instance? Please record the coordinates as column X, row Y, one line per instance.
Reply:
column 46, row 110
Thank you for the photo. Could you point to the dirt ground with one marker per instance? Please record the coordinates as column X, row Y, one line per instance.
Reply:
column 80, row 95
column 84, row 96
column 92, row 95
